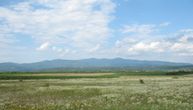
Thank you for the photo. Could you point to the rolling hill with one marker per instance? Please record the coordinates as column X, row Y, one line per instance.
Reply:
column 93, row 64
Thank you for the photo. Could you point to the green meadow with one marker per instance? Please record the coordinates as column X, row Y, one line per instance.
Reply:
column 96, row 91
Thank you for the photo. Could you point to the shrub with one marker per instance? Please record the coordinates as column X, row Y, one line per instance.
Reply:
column 141, row 81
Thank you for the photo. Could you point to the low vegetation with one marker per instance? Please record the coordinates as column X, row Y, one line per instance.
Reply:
column 179, row 73
column 77, row 74
column 25, row 76
column 107, row 91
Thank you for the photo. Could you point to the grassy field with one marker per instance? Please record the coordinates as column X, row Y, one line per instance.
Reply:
column 24, row 76
column 77, row 91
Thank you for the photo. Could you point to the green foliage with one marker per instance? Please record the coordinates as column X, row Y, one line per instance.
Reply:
column 34, row 75
column 179, row 73
column 29, row 76
column 141, row 81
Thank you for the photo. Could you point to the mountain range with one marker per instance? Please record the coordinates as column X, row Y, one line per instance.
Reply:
column 92, row 64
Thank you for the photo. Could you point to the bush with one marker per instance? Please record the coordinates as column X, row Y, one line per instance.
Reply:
column 141, row 81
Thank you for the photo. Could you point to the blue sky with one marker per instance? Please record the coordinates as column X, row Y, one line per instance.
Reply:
column 36, row 30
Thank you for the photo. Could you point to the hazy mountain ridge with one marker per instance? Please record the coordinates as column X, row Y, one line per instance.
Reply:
column 92, row 63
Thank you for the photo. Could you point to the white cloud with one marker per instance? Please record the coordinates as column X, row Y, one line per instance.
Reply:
column 186, row 35
column 184, row 39
column 184, row 43
column 81, row 28
column 125, row 43
column 143, row 29
column 72, row 23
column 186, row 30
column 44, row 46
column 63, row 51
column 182, row 47
column 144, row 47
column 145, row 39
column 95, row 48
column 139, row 29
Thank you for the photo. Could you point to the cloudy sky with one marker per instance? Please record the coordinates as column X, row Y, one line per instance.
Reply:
column 35, row 30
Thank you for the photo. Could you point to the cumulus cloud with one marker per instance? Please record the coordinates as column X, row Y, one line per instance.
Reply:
column 144, row 47
column 81, row 28
column 184, row 44
column 178, row 43
column 71, row 23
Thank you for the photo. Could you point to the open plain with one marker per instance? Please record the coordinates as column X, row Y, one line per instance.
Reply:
column 123, row 92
